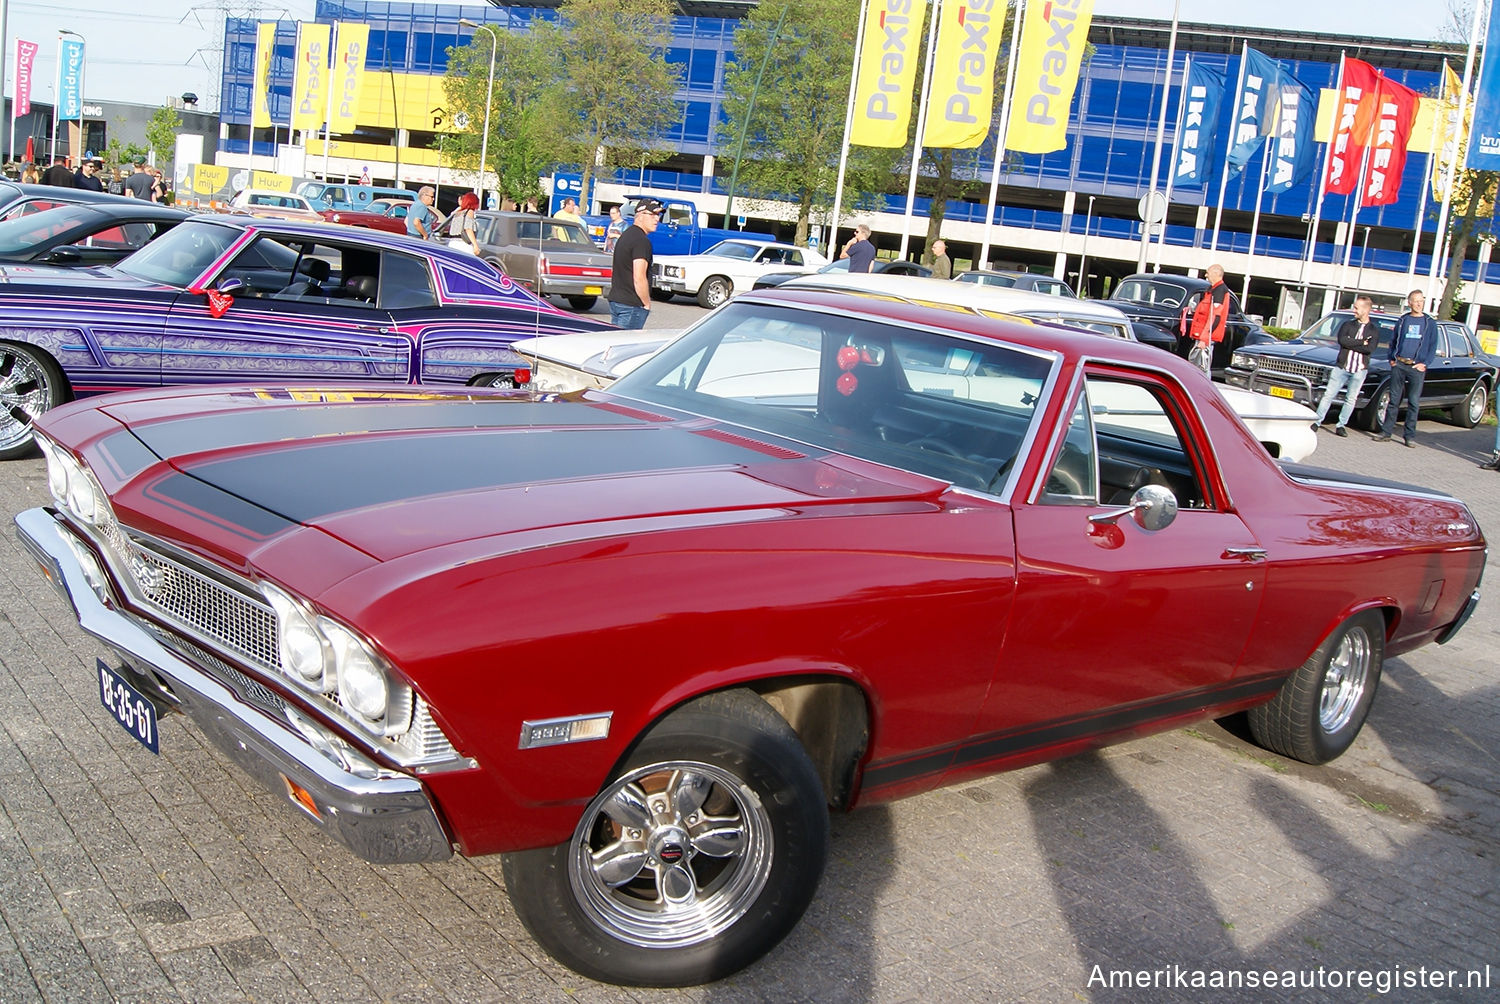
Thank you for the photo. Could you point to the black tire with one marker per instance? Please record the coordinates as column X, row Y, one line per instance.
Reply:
column 1374, row 411
column 1321, row 707
column 582, row 303
column 1470, row 411
column 31, row 384
column 716, row 290
column 749, row 852
column 661, row 295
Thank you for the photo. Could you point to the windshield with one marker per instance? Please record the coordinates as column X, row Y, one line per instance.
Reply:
column 733, row 249
column 945, row 406
column 25, row 232
column 180, row 255
column 1163, row 294
column 1327, row 330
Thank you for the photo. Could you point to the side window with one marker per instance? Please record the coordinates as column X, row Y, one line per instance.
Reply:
column 794, row 258
column 1139, row 440
column 1459, row 346
column 679, row 216
column 1073, row 478
column 405, row 282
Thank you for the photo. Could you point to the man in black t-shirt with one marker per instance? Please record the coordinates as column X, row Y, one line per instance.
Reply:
column 58, row 175
column 87, row 177
column 630, row 279
column 139, row 184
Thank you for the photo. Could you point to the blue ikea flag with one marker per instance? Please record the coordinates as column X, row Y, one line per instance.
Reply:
column 1484, row 133
column 1251, row 121
column 70, row 75
column 1292, row 146
column 1198, row 124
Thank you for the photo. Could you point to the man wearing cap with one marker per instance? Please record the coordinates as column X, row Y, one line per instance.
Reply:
column 138, row 185
column 630, row 279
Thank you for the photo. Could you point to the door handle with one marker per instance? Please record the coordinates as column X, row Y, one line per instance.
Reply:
column 1245, row 553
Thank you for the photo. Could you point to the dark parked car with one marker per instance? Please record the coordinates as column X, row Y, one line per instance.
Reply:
column 895, row 267
column 99, row 233
column 221, row 299
column 640, row 641
column 1160, row 299
column 1014, row 279
column 548, row 256
column 1461, row 380
column 21, row 200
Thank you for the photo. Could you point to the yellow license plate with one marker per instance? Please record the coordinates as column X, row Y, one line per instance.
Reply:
column 593, row 290
column 1285, row 392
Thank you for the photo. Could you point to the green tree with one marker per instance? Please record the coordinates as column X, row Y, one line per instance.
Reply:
column 1472, row 218
column 616, row 88
column 161, row 133
column 796, row 127
column 522, row 130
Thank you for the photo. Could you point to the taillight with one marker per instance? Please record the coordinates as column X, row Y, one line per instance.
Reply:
column 542, row 266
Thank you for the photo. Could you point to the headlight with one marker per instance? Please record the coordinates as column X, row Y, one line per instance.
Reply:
column 366, row 689
column 71, row 484
column 671, row 271
column 304, row 657
column 1241, row 361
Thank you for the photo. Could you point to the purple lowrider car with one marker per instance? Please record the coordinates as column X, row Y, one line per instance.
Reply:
column 224, row 299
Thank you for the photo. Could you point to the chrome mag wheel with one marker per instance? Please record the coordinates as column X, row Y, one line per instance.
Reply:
column 1345, row 679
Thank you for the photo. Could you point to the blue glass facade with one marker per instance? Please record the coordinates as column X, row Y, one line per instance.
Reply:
column 1109, row 150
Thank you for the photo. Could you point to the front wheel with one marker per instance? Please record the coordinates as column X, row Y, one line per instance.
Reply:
column 693, row 862
column 582, row 303
column 30, row 386
column 1321, row 707
column 1374, row 413
column 715, row 290
column 661, row 295
column 1470, row 412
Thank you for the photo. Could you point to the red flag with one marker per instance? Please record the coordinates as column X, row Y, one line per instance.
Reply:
column 1395, row 109
column 1351, row 126
column 30, row 150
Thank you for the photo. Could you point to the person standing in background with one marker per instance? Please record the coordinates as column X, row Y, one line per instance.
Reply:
column 860, row 250
column 421, row 220
column 1209, row 320
column 1413, row 349
column 630, row 279
column 942, row 265
column 1356, row 338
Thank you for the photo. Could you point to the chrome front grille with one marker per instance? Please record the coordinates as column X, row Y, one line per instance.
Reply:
column 1314, row 373
column 205, row 607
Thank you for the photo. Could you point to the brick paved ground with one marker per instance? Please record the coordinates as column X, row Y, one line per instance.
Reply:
column 126, row 876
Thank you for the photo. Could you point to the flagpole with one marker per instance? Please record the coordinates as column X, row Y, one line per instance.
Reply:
column 1002, row 136
column 1359, row 193
column 1432, row 151
column 1182, row 103
column 916, row 146
column 1465, row 129
column 1239, row 87
column 333, row 49
column 1161, row 128
column 1310, row 249
column 838, row 188
column 1265, row 165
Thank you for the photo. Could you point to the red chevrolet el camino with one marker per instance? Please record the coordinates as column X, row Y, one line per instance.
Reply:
column 826, row 549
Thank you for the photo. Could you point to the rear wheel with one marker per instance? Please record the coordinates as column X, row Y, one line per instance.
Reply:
column 696, row 859
column 715, row 290
column 1470, row 412
column 1321, row 707
column 582, row 303
column 30, row 386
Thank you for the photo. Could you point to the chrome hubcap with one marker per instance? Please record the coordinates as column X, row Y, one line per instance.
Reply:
column 671, row 855
column 1344, row 681
column 1478, row 401
column 23, row 396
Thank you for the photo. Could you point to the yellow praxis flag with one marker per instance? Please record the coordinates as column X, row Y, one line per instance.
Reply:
column 310, row 88
column 260, row 97
column 887, row 69
column 1449, row 134
column 1053, row 39
column 350, row 43
column 962, row 98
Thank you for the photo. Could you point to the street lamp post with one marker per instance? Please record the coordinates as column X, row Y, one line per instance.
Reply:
column 1083, row 265
column 489, row 99
column 1363, row 252
column 57, row 94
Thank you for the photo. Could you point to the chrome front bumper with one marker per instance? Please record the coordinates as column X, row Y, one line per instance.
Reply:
column 386, row 818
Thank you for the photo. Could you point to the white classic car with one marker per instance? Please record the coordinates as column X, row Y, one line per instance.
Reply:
column 730, row 267
column 593, row 360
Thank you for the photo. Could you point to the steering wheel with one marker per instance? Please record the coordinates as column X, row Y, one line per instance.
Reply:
column 934, row 445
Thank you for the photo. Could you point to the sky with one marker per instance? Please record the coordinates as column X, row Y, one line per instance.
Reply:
column 163, row 48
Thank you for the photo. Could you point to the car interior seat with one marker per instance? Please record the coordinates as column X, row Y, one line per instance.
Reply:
column 360, row 287
column 316, row 271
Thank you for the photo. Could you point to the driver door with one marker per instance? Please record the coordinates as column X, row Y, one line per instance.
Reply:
column 1114, row 625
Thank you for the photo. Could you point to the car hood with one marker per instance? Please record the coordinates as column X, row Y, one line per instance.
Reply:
column 393, row 474
column 1312, row 352
column 99, row 279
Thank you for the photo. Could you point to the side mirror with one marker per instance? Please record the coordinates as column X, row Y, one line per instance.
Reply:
column 1153, row 507
column 67, row 254
column 232, row 286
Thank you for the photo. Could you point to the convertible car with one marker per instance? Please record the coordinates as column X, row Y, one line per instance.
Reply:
column 229, row 298
column 639, row 641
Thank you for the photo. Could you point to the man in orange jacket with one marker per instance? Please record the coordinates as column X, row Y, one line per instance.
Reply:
column 1210, row 320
